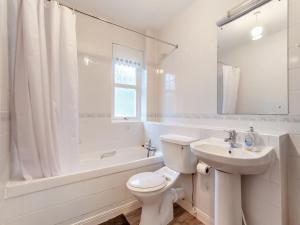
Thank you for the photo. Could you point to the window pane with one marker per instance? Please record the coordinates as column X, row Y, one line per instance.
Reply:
column 125, row 102
column 125, row 74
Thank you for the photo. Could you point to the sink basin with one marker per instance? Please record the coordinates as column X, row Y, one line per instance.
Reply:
column 218, row 154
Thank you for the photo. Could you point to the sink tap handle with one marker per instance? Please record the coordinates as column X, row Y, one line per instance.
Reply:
column 232, row 135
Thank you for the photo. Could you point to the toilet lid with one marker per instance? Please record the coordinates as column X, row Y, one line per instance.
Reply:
column 147, row 180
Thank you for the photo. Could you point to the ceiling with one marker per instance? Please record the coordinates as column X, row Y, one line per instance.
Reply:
column 139, row 14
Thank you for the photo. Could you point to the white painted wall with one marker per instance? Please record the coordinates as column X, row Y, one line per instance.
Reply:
column 194, row 100
column 270, row 69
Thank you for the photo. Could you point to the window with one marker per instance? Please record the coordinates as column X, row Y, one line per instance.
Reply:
column 126, row 82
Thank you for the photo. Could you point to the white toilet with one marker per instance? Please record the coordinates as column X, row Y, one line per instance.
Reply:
column 154, row 189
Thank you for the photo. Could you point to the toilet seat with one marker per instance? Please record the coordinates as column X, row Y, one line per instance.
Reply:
column 147, row 182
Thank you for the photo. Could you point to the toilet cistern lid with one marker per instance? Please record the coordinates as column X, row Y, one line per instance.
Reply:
column 147, row 180
column 178, row 139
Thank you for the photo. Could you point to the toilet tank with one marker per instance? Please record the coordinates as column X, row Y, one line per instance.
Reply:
column 177, row 153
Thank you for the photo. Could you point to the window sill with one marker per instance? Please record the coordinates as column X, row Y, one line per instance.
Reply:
column 125, row 121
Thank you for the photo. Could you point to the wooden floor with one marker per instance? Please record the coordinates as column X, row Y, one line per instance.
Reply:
column 181, row 217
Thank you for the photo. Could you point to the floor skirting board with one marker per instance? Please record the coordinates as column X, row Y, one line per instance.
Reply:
column 203, row 217
column 133, row 205
column 109, row 214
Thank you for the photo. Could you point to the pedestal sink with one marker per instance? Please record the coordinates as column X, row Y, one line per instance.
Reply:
column 230, row 164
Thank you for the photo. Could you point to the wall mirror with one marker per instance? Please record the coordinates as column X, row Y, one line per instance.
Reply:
column 253, row 58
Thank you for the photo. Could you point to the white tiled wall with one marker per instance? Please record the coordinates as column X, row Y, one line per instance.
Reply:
column 95, row 39
column 97, row 132
column 194, row 66
column 294, row 55
column 294, row 179
column 151, row 59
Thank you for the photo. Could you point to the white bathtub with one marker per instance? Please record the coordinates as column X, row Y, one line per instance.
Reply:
column 98, row 188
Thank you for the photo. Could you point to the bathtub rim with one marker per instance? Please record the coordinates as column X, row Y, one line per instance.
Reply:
column 19, row 188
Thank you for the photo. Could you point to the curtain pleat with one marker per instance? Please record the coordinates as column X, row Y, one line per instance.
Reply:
column 40, row 90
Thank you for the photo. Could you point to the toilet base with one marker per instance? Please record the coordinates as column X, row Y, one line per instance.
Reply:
column 150, row 213
column 159, row 209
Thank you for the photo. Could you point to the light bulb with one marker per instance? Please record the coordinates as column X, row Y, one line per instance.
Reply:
column 257, row 33
column 159, row 71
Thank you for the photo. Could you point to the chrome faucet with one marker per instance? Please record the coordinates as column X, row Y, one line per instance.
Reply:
column 232, row 138
column 148, row 146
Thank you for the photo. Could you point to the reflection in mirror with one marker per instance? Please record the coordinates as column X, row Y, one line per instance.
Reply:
column 252, row 60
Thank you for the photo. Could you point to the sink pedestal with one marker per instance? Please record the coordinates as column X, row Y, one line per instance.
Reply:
column 228, row 199
column 234, row 162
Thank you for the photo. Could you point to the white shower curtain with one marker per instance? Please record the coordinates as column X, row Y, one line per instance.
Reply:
column 231, row 80
column 44, row 90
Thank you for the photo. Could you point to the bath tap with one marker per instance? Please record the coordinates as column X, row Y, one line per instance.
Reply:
column 148, row 146
column 232, row 138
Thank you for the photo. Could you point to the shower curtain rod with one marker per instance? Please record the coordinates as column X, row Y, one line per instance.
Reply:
column 119, row 25
column 240, row 10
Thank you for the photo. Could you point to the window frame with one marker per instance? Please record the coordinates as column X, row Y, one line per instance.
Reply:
column 136, row 87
